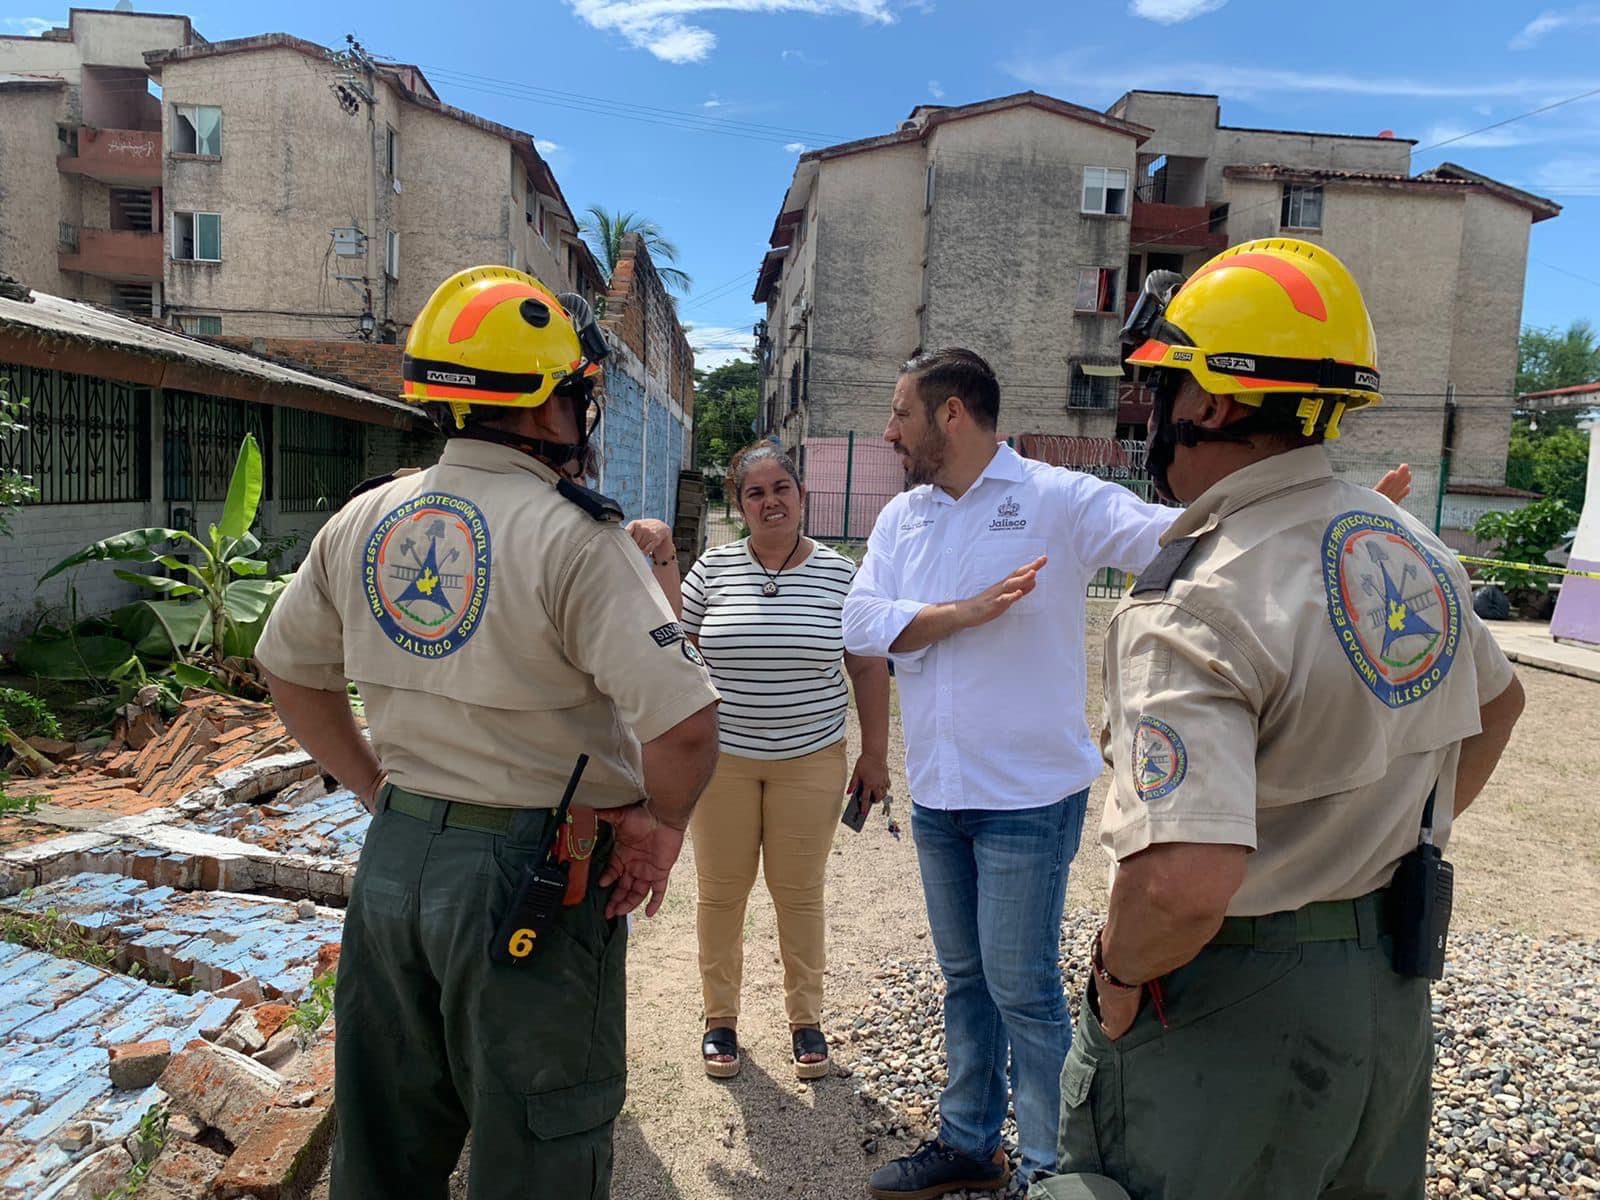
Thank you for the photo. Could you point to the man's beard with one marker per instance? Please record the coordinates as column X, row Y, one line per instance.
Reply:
column 925, row 462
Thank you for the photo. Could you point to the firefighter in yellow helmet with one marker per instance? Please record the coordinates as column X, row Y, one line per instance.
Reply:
column 540, row 731
column 1300, row 701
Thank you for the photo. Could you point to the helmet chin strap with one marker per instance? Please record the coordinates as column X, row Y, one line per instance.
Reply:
column 557, row 455
column 1161, row 447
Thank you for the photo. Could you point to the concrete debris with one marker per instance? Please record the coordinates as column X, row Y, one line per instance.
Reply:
column 139, row 1064
column 252, row 1029
column 221, row 1088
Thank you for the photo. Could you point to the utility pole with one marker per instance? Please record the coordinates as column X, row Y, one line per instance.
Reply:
column 355, row 90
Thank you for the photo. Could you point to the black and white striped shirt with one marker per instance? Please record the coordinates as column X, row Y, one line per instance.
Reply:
column 777, row 660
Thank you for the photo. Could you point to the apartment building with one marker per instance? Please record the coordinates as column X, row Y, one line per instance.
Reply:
column 275, row 187
column 1024, row 226
column 81, row 158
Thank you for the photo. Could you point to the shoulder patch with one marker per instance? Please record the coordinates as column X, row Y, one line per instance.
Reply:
column 1160, row 759
column 601, row 508
column 1164, row 568
column 667, row 634
column 1392, row 605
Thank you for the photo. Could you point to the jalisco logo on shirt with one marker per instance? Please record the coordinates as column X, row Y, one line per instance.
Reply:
column 426, row 574
column 1393, row 607
column 912, row 524
column 1160, row 760
column 1007, row 516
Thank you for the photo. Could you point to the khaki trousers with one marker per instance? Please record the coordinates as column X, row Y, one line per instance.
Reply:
column 781, row 813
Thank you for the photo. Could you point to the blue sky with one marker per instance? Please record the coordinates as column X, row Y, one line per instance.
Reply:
column 693, row 111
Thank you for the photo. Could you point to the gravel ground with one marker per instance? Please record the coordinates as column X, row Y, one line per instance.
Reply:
column 1516, row 1074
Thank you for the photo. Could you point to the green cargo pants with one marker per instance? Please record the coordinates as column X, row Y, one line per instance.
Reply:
column 1296, row 1064
column 434, row 1039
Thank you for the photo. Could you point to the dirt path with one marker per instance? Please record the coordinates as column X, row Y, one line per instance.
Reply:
column 1527, row 858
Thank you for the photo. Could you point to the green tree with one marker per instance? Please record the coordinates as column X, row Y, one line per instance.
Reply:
column 1554, row 358
column 15, row 487
column 604, row 231
column 725, row 403
column 1552, row 461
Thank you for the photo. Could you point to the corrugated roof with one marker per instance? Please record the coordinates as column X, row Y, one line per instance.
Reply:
column 1446, row 176
column 72, row 320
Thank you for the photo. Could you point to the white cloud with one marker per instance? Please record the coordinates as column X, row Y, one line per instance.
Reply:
column 1551, row 21
column 796, row 147
column 27, row 26
column 1080, row 70
column 722, row 344
column 713, row 103
column 661, row 27
column 1172, row 12
column 935, row 89
column 546, row 147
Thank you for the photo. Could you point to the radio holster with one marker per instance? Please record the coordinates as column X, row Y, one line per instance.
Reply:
column 1420, row 898
column 540, row 891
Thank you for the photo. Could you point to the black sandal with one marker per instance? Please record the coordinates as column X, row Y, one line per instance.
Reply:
column 810, row 1041
column 720, row 1041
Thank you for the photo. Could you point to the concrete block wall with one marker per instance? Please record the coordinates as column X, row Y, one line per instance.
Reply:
column 41, row 537
column 622, row 450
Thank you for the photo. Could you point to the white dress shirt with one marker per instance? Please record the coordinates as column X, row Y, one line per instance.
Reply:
column 994, row 716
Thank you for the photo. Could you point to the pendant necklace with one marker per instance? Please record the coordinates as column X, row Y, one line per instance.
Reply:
column 770, row 587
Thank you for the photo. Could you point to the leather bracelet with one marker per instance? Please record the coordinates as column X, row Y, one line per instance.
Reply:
column 1101, row 974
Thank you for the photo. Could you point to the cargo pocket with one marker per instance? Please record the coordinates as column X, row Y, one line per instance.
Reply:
column 1080, row 1145
column 572, row 1129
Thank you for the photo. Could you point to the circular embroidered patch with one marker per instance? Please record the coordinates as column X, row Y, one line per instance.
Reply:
column 692, row 653
column 1393, row 606
column 426, row 574
column 1159, row 759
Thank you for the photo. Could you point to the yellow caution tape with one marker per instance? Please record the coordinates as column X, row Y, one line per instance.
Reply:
column 1519, row 566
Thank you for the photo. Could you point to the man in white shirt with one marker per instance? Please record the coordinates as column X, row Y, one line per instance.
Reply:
column 974, row 585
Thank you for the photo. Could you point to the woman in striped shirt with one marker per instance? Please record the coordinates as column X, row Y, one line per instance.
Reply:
column 765, row 613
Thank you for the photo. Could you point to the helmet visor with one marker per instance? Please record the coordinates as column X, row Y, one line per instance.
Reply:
column 1148, row 320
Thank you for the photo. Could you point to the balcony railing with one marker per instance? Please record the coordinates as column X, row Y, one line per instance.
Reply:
column 129, row 157
column 114, row 254
column 1180, row 226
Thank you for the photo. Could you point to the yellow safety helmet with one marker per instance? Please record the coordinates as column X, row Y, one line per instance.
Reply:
column 1272, row 318
column 496, row 336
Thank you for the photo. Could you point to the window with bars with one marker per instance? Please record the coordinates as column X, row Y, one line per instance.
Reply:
column 201, row 440
column 87, row 440
column 1091, row 391
column 319, row 460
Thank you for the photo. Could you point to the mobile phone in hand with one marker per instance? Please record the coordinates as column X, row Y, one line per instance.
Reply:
column 855, row 812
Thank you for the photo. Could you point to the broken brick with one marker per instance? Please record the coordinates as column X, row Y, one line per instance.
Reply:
column 327, row 960
column 246, row 991
column 252, row 1029
column 281, row 1157
column 139, row 1064
column 220, row 1087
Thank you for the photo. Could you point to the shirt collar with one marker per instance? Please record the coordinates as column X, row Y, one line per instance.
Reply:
column 1249, row 485
column 478, row 455
column 1006, row 465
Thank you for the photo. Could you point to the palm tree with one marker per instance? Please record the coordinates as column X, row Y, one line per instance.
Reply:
column 604, row 232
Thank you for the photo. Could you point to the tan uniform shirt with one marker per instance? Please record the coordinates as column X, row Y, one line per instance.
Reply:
column 495, row 630
column 1309, row 672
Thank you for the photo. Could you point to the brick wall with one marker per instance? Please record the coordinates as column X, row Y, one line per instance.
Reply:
column 372, row 366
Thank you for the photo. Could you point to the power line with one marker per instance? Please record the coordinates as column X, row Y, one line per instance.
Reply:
column 1532, row 112
column 1564, row 271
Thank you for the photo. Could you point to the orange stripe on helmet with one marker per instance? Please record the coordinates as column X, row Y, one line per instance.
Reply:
column 1151, row 351
column 435, row 392
column 1302, row 292
column 483, row 303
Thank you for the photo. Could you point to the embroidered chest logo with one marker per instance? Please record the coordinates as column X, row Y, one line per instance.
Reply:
column 1393, row 607
column 1008, row 516
column 1160, row 760
column 912, row 524
column 425, row 571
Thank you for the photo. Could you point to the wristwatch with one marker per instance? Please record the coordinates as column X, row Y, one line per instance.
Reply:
column 1104, row 977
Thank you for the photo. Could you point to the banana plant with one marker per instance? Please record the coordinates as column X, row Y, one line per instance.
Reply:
column 220, row 596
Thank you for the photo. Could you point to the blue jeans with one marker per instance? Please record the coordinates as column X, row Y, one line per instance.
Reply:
column 995, row 883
